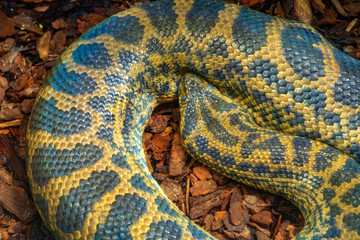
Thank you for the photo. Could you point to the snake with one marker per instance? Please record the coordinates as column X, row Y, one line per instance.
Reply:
column 265, row 101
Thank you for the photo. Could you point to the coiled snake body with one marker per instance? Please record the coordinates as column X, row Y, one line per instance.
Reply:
column 280, row 81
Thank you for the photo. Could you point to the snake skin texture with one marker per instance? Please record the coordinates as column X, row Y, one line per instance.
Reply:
column 272, row 104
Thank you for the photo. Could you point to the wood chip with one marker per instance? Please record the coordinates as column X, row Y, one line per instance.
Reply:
column 16, row 201
column 7, row 28
column 43, row 44
column 203, row 173
column 203, row 188
column 202, row 204
column 172, row 190
column 264, row 219
column 177, row 156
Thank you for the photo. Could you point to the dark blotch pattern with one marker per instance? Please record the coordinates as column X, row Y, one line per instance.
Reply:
column 347, row 87
column 164, row 230
column 324, row 158
column 46, row 116
column 74, row 207
column 273, row 145
column 120, row 160
column 105, row 133
column 138, row 182
column 155, row 46
column 202, row 18
column 214, row 126
column 218, row 46
column 196, row 232
column 352, row 196
column 352, row 222
column 165, row 207
column 93, row 55
column 42, row 204
column 234, row 68
column 182, row 45
column 301, row 148
column 306, row 60
column 162, row 17
column 249, row 30
column 236, row 121
column 126, row 58
column 350, row 170
column 114, row 79
column 70, row 82
column 125, row 29
column 124, row 212
column 50, row 162
column 203, row 146
column 315, row 99
column 332, row 233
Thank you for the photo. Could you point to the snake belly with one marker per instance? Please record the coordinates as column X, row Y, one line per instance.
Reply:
column 85, row 161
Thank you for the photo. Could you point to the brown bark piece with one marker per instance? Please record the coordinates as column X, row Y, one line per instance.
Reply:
column 251, row 202
column 158, row 122
column 20, row 82
column 10, row 111
column 201, row 205
column 203, row 173
column 160, row 142
column 218, row 220
column 203, row 188
column 43, row 45
column 239, row 215
column 146, row 140
column 329, row 17
column 87, row 21
column 172, row 190
column 261, row 236
column 231, row 227
column 7, row 28
column 58, row 42
column 4, row 85
column 17, row 202
column 208, row 221
column 264, row 219
column 177, row 156
column 26, row 105
column 59, row 23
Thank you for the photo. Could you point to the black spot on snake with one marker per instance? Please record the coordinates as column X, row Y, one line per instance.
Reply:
column 70, row 82
column 350, row 170
column 46, row 114
column 125, row 29
column 92, row 55
column 301, row 148
column 127, row 58
column 138, row 182
column 352, row 221
column 51, row 162
column 115, row 79
column 164, row 230
column 202, row 18
column 164, row 206
column 124, row 212
column 352, row 196
column 248, row 38
column 75, row 206
column 306, row 60
column 155, row 46
column 347, row 87
column 162, row 17
column 218, row 46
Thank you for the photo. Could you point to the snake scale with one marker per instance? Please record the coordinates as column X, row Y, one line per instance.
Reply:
column 265, row 101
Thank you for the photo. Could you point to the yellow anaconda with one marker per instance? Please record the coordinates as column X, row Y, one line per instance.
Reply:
column 281, row 84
